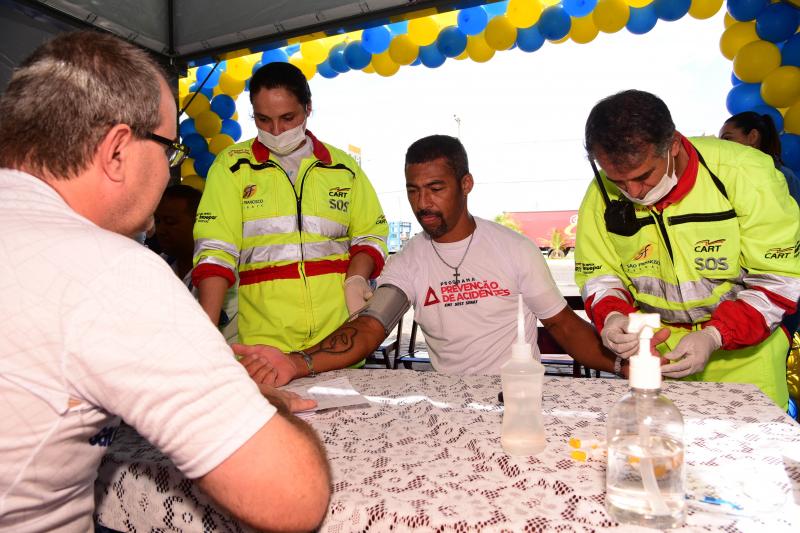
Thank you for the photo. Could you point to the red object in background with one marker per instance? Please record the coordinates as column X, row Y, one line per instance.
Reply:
column 538, row 226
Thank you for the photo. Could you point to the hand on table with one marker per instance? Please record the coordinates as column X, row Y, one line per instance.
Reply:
column 265, row 364
column 691, row 354
column 356, row 293
column 286, row 401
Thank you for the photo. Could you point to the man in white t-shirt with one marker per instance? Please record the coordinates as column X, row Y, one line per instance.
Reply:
column 96, row 327
column 462, row 275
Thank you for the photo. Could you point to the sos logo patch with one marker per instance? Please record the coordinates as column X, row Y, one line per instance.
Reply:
column 711, row 263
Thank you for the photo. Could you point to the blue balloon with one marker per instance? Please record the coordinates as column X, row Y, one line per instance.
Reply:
column 274, row 56
column 203, row 162
column 336, row 59
column 777, row 22
column 355, row 55
column 232, row 128
column 257, row 65
column 790, row 54
column 578, row 8
column 416, row 62
column 473, row 20
column 291, row 49
column 671, row 10
column 642, row 19
column 430, row 56
column 734, row 80
column 554, row 23
column 196, row 143
column 746, row 9
column 187, row 127
column 529, row 39
column 207, row 91
column 744, row 97
column 774, row 114
column 326, row 70
column 496, row 9
column 213, row 76
column 451, row 41
column 398, row 28
column 790, row 150
column 223, row 105
column 376, row 40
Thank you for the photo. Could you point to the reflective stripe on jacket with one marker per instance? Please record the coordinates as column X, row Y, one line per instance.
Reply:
column 291, row 244
column 701, row 251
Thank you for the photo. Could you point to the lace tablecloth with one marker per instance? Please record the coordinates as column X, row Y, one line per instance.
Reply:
column 425, row 455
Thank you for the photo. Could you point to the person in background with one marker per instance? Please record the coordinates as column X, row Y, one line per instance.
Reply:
column 174, row 222
column 463, row 276
column 96, row 327
column 296, row 218
column 698, row 230
column 751, row 129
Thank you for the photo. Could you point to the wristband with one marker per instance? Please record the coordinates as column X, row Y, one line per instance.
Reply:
column 309, row 362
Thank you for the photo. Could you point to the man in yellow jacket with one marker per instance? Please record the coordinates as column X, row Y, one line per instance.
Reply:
column 701, row 231
column 295, row 218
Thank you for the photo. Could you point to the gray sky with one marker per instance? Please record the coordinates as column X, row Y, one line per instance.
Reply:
column 522, row 115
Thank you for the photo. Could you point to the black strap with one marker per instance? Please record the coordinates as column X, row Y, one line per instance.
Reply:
column 714, row 177
column 599, row 181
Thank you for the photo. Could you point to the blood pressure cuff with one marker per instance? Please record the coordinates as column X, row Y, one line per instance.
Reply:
column 387, row 306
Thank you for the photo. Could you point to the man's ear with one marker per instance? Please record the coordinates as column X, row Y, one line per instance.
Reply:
column 467, row 183
column 113, row 151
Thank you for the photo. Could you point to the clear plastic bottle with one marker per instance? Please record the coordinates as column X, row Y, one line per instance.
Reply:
column 645, row 478
column 523, row 378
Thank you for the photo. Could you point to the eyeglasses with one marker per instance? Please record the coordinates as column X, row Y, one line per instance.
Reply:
column 176, row 152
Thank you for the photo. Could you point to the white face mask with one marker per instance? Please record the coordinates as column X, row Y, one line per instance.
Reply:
column 667, row 183
column 286, row 142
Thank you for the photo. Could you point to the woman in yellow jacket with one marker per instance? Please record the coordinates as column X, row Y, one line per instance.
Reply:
column 296, row 219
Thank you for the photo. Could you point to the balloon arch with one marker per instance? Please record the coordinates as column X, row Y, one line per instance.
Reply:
column 760, row 37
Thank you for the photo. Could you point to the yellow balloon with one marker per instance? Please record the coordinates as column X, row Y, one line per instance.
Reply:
column 216, row 91
column 781, row 87
column 500, row 34
column 610, row 16
column 194, row 181
column 562, row 40
column 583, row 29
column 450, row 18
column 199, row 104
column 462, row 55
column 704, row 9
column 207, row 123
column 795, row 2
column 239, row 69
column 235, row 116
column 423, row 31
column 735, row 36
column 478, row 50
column 308, row 69
column 755, row 60
column 548, row 3
column 230, row 86
column 369, row 69
column 187, row 167
column 219, row 142
column 728, row 20
column 383, row 64
column 524, row 13
column 791, row 119
column 313, row 52
column 402, row 50
column 184, row 84
column 638, row 3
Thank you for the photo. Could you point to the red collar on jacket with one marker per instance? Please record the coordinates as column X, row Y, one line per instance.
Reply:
column 686, row 180
column 321, row 152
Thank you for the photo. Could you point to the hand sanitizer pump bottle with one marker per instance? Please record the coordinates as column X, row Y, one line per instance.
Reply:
column 522, row 376
column 645, row 477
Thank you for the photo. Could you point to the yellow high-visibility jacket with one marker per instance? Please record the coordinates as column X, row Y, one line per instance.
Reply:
column 291, row 244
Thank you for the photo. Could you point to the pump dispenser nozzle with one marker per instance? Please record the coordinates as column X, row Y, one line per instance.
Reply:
column 645, row 372
column 521, row 349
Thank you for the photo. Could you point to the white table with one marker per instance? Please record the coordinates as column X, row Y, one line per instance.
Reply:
column 425, row 455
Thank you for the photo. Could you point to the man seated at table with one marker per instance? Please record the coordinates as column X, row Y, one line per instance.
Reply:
column 95, row 327
column 462, row 275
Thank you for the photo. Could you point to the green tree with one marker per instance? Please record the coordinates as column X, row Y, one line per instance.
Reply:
column 504, row 219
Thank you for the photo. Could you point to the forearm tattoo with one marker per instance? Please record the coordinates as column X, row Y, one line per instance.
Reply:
column 339, row 342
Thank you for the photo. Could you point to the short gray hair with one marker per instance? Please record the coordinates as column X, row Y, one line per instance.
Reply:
column 65, row 97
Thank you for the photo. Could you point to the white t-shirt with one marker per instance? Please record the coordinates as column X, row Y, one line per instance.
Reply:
column 95, row 327
column 469, row 327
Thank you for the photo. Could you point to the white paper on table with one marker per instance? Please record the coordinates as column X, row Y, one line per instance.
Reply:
column 328, row 394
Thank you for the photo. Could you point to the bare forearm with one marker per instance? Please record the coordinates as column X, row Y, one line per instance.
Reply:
column 580, row 340
column 212, row 295
column 346, row 346
column 361, row 264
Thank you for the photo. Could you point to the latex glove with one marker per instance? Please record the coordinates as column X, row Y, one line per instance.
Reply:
column 616, row 338
column 356, row 293
column 692, row 353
